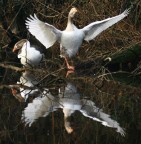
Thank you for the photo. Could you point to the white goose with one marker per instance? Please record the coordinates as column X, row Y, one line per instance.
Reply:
column 29, row 55
column 71, row 38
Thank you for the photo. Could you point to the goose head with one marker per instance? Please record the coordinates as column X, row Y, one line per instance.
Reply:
column 68, row 124
column 70, row 19
column 72, row 12
column 19, row 45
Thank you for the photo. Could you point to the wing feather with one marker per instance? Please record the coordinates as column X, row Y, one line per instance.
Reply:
column 90, row 110
column 44, row 32
column 95, row 28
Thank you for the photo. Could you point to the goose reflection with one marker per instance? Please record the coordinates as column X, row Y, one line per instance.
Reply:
column 69, row 100
column 28, row 81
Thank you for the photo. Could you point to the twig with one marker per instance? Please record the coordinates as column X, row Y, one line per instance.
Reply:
column 20, row 69
column 11, row 67
column 112, row 73
column 17, row 86
column 16, row 16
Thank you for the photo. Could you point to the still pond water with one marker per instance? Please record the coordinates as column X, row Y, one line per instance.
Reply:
column 50, row 108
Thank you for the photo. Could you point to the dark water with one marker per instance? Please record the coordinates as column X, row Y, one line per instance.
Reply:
column 76, row 109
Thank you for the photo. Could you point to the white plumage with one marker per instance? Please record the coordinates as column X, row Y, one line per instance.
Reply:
column 71, row 38
column 28, row 55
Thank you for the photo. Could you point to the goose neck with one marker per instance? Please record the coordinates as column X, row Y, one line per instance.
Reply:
column 69, row 24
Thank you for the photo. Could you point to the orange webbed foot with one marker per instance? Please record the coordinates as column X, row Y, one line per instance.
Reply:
column 72, row 68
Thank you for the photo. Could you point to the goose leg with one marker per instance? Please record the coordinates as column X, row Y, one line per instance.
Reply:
column 68, row 66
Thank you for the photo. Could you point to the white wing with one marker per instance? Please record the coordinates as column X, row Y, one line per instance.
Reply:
column 44, row 32
column 95, row 28
column 40, row 107
column 90, row 110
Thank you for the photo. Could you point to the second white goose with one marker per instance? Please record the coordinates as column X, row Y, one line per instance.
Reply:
column 30, row 56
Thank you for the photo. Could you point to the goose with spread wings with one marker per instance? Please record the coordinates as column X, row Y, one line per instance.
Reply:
column 71, row 38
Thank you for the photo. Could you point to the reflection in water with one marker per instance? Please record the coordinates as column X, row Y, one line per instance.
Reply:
column 27, row 79
column 68, row 99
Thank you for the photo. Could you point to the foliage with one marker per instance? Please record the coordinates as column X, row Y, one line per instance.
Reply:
column 95, row 78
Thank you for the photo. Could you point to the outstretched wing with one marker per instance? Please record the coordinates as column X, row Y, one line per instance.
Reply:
column 95, row 28
column 90, row 110
column 40, row 107
column 44, row 32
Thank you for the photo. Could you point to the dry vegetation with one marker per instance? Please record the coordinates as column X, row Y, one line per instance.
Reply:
column 121, row 36
column 102, row 87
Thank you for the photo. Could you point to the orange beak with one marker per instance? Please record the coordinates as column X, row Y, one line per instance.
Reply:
column 69, row 130
column 14, row 49
column 14, row 91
